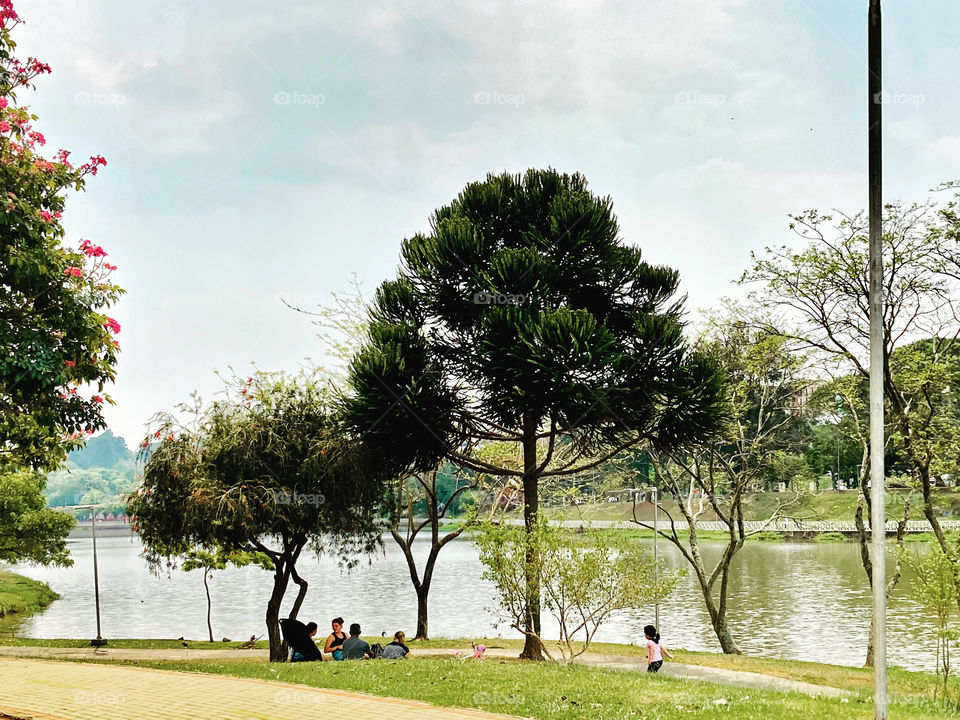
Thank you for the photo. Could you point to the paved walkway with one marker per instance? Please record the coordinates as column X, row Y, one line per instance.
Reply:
column 702, row 673
column 45, row 690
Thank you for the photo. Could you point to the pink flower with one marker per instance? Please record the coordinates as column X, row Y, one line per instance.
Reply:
column 46, row 215
column 108, row 266
column 112, row 325
column 75, row 271
column 39, row 67
column 69, row 363
column 3, row 103
column 97, row 399
column 4, row 126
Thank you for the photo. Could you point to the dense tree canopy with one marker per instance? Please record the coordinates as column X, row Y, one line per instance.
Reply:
column 522, row 317
column 29, row 531
column 55, row 336
column 267, row 470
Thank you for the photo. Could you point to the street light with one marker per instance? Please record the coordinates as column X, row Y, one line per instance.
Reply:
column 877, row 473
column 656, row 558
column 99, row 641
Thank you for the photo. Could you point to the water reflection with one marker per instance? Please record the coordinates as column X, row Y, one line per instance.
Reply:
column 801, row 601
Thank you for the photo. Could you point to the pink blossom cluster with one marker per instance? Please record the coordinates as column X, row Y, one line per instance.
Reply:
column 112, row 325
column 91, row 250
column 8, row 16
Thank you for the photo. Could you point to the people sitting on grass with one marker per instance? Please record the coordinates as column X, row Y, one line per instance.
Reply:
column 335, row 640
column 299, row 639
column 299, row 657
column 353, row 647
column 395, row 650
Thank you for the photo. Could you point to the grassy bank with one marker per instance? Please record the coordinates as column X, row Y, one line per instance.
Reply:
column 20, row 597
column 825, row 505
column 557, row 692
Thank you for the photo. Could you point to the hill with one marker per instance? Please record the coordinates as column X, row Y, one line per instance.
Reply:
column 106, row 450
column 101, row 472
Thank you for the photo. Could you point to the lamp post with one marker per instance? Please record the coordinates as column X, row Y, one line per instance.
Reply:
column 877, row 340
column 98, row 641
column 656, row 557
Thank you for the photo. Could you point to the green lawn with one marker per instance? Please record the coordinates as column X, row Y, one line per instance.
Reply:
column 136, row 643
column 551, row 691
column 21, row 596
column 557, row 692
column 825, row 505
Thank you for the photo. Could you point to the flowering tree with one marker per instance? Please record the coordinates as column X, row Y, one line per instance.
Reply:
column 266, row 469
column 54, row 333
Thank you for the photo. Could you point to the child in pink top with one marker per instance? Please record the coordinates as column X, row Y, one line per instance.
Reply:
column 655, row 651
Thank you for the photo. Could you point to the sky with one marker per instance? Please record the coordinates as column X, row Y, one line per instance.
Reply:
column 262, row 152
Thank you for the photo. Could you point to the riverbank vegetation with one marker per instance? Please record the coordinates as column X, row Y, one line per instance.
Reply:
column 21, row 596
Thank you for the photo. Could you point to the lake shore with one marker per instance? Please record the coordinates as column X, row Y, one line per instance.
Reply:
column 20, row 597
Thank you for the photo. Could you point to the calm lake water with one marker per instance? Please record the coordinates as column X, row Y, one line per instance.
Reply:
column 804, row 601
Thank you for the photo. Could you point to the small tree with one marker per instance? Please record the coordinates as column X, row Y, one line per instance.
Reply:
column 583, row 580
column 208, row 561
column 763, row 381
column 818, row 299
column 266, row 470
column 935, row 588
column 422, row 492
column 846, row 398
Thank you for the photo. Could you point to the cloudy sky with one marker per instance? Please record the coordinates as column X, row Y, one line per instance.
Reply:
column 260, row 151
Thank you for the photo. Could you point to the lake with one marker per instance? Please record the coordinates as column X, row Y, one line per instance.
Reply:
column 804, row 601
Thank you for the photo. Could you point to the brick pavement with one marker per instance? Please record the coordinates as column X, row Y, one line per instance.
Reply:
column 56, row 690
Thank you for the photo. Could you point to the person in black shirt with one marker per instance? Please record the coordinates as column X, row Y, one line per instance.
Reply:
column 334, row 643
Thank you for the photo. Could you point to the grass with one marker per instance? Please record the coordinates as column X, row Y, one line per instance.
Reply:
column 21, row 596
column 126, row 643
column 824, row 505
column 550, row 691
column 554, row 691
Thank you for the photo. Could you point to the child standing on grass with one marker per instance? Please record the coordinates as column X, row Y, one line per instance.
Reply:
column 655, row 651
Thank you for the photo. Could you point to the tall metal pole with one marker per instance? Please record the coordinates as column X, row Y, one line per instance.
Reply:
column 878, row 520
column 656, row 557
column 96, row 577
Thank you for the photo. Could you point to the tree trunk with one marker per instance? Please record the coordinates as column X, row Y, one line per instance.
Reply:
column 532, row 647
column 718, row 618
column 301, row 593
column 422, row 629
column 281, row 577
column 206, row 587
